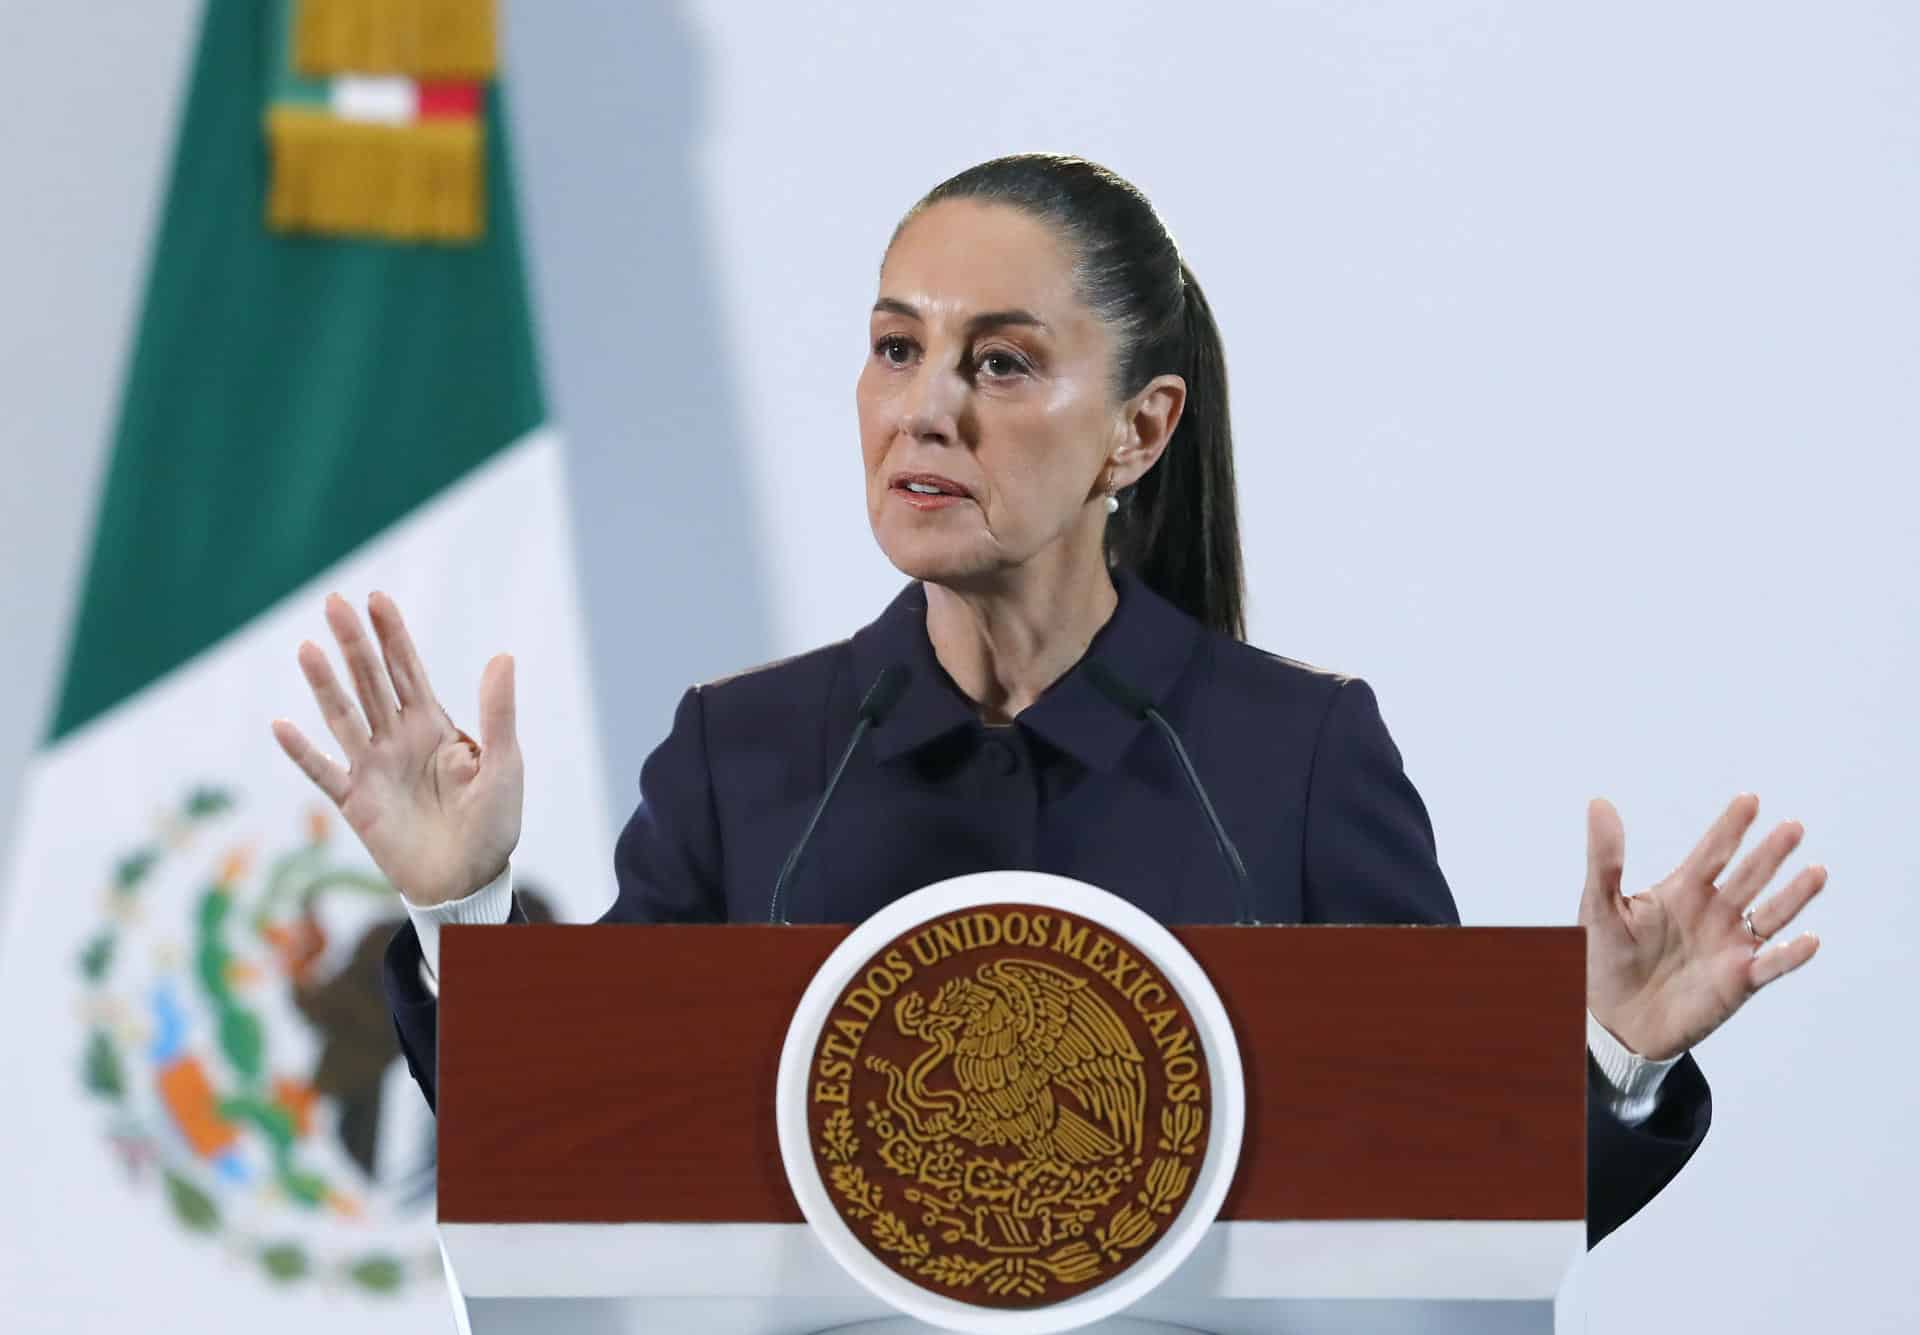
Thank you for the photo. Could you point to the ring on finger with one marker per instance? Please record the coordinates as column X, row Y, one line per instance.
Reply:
column 1752, row 931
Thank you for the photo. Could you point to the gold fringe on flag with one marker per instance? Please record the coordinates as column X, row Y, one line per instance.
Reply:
column 424, row 39
column 419, row 182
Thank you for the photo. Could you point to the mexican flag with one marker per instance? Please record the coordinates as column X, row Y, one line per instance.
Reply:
column 333, row 386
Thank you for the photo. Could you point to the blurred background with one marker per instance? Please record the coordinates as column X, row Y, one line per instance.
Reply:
column 1573, row 353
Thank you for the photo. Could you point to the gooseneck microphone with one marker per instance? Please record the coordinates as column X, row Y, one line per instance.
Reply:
column 1131, row 701
column 878, row 702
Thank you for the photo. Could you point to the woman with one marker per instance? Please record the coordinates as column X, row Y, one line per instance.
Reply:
column 1043, row 419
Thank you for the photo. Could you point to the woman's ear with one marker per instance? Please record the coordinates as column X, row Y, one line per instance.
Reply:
column 1150, row 417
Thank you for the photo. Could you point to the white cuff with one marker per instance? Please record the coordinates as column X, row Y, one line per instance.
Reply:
column 1633, row 1080
column 491, row 903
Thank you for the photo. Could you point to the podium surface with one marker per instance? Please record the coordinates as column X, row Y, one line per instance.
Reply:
column 1413, row 1157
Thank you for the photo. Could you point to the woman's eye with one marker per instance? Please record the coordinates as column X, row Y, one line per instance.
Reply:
column 893, row 349
column 1002, row 364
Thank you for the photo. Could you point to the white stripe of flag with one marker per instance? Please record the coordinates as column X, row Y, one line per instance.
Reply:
column 387, row 99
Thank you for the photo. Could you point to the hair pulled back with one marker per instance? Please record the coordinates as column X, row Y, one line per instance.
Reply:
column 1177, row 527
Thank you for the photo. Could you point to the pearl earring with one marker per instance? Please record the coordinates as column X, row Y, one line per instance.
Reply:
column 1113, row 503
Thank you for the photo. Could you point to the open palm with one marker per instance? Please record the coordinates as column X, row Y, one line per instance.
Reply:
column 1671, row 964
column 438, row 813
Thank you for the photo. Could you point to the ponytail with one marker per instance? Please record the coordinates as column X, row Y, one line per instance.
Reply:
column 1177, row 527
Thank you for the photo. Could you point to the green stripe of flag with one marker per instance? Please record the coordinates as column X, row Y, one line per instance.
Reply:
column 288, row 398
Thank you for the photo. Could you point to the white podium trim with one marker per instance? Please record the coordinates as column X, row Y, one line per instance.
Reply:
column 1239, row 1260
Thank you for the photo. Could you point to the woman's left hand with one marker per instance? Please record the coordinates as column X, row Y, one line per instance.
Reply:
column 1668, row 966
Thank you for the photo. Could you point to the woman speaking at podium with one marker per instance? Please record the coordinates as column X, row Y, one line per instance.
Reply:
column 1043, row 420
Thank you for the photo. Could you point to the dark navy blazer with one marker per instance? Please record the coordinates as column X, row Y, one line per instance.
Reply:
column 1297, row 759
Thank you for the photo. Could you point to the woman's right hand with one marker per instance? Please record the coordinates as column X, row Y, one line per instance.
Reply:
column 439, row 815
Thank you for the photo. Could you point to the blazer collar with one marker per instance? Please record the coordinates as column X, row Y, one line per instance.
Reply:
column 1147, row 643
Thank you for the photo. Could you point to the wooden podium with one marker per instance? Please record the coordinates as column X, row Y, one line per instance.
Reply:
column 1414, row 1154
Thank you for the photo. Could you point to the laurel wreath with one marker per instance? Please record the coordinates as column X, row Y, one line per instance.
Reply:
column 1129, row 1228
column 241, row 1035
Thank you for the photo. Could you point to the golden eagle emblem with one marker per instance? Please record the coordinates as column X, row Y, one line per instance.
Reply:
column 1014, row 1034
column 1008, row 1120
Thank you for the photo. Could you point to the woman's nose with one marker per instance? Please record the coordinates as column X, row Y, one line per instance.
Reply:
column 931, row 411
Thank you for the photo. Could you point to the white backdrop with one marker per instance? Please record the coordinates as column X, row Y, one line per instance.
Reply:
column 1573, row 355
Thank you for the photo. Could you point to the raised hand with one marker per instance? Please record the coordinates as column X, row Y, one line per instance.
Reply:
column 1668, row 966
column 439, row 814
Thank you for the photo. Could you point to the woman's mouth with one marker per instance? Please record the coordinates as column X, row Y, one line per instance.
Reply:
column 928, row 491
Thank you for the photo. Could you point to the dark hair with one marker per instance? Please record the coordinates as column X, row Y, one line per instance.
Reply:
column 1178, row 528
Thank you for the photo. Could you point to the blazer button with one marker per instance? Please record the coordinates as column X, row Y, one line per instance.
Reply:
column 998, row 756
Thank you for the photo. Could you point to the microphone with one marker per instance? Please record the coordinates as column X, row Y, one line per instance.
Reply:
column 1130, row 701
column 878, row 702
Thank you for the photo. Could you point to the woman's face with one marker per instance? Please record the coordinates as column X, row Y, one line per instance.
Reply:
column 988, row 424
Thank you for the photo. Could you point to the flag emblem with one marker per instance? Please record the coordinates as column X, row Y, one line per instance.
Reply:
column 237, row 1041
